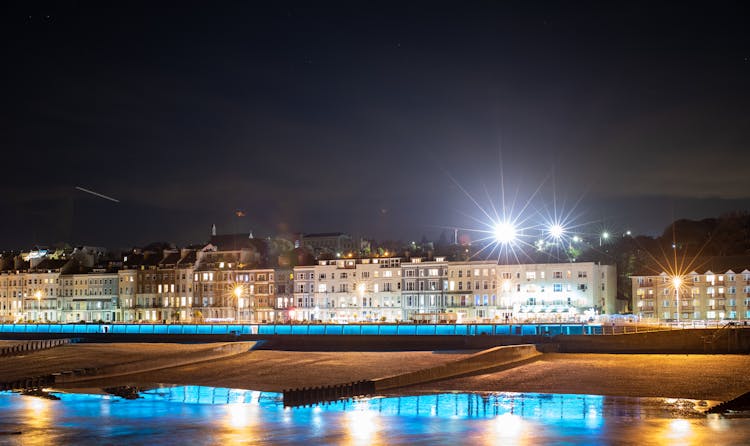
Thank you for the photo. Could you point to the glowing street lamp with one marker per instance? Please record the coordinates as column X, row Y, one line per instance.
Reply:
column 677, row 283
column 238, row 293
column 604, row 236
column 505, row 233
column 556, row 231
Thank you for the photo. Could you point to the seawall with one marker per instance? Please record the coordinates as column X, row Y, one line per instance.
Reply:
column 685, row 341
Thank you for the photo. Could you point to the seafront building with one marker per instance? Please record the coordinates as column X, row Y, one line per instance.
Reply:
column 556, row 291
column 231, row 279
column 348, row 290
column 716, row 289
column 424, row 287
column 90, row 296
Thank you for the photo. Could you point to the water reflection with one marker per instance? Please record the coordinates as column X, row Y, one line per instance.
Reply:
column 362, row 424
column 206, row 415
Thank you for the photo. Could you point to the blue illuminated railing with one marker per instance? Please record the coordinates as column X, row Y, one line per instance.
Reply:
column 311, row 329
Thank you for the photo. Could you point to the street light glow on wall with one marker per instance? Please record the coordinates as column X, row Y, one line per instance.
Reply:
column 238, row 293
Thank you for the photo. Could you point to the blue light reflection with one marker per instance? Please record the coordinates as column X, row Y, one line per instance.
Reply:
column 208, row 415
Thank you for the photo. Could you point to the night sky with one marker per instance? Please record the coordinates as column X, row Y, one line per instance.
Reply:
column 378, row 119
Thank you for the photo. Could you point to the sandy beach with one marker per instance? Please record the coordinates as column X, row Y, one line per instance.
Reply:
column 709, row 377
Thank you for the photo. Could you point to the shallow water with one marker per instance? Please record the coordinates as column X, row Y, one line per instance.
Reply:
column 207, row 415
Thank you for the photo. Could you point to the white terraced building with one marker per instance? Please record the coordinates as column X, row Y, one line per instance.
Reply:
column 719, row 290
column 348, row 290
column 556, row 291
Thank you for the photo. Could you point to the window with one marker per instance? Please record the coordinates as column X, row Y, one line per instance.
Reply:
column 582, row 274
column 557, row 274
column 557, row 287
column 530, row 275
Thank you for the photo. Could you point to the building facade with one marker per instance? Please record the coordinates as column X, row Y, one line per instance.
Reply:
column 556, row 291
column 12, row 288
column 89, row 297
column 205, row 285
column 710, row 295
column 424, row 287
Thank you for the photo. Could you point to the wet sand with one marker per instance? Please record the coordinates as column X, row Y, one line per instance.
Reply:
column 701, row 377
column 709, row 377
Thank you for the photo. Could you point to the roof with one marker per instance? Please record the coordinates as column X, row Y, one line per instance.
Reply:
column 51, row 264
column 188, row 259
column 171, row 258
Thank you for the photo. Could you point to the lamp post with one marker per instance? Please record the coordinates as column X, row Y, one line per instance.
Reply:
column 677, row 282
column 238, row 294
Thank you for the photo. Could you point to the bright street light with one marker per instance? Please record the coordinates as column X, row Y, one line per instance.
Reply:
column 556, row 231
column 604, row 236
column 505, row 232
column 677, row 282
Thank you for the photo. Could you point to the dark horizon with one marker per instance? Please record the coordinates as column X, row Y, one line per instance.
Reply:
column 370, row 118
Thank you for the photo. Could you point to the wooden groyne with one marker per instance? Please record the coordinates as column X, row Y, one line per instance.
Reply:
column 32, row 346
column 308, row 396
